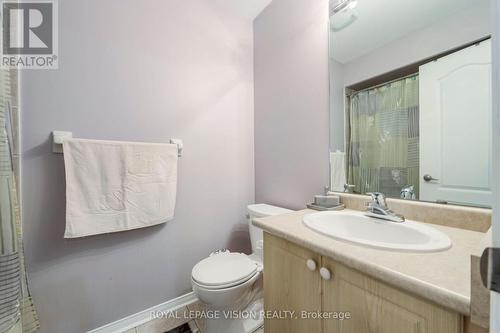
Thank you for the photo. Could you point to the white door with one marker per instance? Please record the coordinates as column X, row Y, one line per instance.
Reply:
column 495, row 297
column 455, row 127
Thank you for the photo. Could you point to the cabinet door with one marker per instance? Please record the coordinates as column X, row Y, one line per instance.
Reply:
column 289, row 285
column 377, row 308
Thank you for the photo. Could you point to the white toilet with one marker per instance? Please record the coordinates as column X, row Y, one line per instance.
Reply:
column 230, row 283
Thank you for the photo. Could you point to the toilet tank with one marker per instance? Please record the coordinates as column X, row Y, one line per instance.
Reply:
column 256, row 234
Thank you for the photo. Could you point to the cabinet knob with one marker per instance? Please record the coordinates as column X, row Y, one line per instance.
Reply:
column 325, row 273
column 311, row 264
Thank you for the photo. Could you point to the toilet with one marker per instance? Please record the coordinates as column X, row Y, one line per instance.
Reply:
column 230, row 283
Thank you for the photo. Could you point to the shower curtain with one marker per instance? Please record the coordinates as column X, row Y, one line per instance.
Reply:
column 383, row 138
column 17, row 313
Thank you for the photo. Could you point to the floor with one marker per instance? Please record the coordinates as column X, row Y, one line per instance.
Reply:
column 167, row 324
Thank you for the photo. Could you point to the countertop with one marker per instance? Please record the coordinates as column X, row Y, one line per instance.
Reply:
column 442, row 277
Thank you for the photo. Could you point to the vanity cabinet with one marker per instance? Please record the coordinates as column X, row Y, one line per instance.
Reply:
column 293, row 283
column 290, row 286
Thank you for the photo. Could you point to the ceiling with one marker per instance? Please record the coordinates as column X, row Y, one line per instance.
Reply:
column 379, row 22
column 247, row 8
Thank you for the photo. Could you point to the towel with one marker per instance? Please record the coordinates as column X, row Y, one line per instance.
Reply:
column 116, row 186
column 338, row 174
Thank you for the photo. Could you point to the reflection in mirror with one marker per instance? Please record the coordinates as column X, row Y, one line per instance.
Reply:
column 410, row 99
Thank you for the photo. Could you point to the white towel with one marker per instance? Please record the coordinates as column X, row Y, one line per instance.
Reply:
column 115, row 186
column 338, row 174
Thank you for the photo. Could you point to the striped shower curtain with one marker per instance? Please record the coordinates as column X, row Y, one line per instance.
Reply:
column 17, row 313
column 383, row 138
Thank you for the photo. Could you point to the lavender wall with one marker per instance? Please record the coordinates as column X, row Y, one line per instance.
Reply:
column 291, row 102
column 145, row 71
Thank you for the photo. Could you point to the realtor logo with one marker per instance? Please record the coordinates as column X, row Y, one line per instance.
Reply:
column 29, row 34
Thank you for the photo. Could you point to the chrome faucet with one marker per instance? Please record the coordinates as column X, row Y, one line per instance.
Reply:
column 408, row 192
column 378, row 208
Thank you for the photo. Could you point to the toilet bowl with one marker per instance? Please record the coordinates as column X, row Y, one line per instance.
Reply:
column 230, row 284
column 226, row 280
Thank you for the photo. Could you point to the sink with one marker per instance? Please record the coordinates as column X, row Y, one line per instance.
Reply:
column 355, row 227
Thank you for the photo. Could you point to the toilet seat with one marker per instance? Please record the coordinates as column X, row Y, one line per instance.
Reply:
column 224, row 270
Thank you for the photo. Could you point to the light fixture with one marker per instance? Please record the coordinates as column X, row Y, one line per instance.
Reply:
column 341, row 5
column 342, row 14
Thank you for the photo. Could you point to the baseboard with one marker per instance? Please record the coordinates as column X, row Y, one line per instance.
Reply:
column 144, row 316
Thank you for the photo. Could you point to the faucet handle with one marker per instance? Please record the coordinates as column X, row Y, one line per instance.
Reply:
column 379, row 199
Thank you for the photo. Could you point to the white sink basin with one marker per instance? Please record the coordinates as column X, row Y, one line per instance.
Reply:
column 357, row 228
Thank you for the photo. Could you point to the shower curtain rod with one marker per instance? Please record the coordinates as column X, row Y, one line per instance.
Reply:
column 382, row 84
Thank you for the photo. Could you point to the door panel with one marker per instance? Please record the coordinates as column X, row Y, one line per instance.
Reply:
column 290, row 286
column 495, row 297
column 455, row 127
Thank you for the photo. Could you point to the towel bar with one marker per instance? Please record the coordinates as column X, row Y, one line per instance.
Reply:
column 59, row 136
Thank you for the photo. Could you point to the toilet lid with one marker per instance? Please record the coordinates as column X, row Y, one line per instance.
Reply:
column 224, row 270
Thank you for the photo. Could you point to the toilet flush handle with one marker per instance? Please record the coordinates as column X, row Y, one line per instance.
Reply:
column 311, row 264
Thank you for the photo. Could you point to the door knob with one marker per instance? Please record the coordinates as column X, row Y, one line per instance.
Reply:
column 429, row 178
column 325, row 273
column 311, row 264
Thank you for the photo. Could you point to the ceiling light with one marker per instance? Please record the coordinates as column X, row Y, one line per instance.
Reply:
column 342, row 5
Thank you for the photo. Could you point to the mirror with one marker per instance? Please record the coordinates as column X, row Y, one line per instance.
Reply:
column 410, row 99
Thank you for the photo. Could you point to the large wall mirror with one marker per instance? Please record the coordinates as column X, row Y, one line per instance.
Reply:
column 410, row 99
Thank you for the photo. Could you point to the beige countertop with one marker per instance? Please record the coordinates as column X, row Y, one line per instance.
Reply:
column 442, row 277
